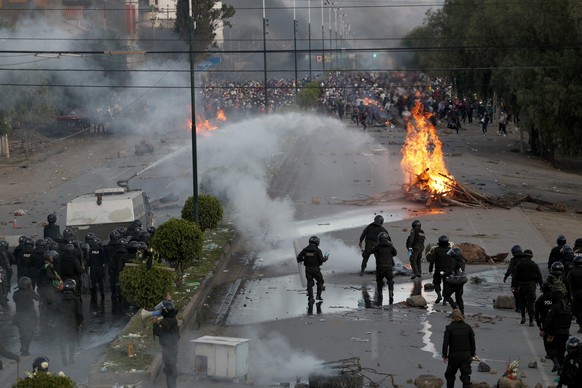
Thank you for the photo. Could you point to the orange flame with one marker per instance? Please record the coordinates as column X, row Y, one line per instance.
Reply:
column 220, row 116
column 422, row 156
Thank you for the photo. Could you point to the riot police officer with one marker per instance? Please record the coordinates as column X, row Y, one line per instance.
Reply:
column 439, row 262
column 575, row 282
column 70, row 320
column 384, row 253
column 168, row 332
column 555, row 253
column 370, row 237
column 312, row 258
column 25, row 264
column 96, row 261
column 454, row 279
column 51, row 229
column 415, row 246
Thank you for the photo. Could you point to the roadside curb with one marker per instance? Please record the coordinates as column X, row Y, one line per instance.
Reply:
column 98, row 379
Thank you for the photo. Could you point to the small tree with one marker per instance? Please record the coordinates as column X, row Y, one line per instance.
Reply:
column 210, row 211
column 308, row 95
column 144, row 287
column 180, row 243
column 42, row 379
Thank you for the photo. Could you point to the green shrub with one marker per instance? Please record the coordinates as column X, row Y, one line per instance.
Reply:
column 308, row 95
column 210, row 211
column 180, row 243
column 44, row 380
column 144, row 287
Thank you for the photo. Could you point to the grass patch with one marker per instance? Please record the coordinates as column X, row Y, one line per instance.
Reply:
column 138, row 333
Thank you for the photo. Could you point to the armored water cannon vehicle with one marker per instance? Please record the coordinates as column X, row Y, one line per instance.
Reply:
column 106, row 209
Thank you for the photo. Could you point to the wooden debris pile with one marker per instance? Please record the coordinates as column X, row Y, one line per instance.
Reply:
column 457, row 195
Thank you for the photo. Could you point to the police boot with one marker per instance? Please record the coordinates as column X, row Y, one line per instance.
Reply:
column 318, row 296
column 391, row 294
column 439, row 297
column 556, row 364
column 310, row 296
column 522, row 318
column 531, row 321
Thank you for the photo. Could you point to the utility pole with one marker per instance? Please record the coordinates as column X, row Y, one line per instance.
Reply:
column 264, row 53
column 309, row 34
column 295, row 47
column 322, row 40
column 193, row 118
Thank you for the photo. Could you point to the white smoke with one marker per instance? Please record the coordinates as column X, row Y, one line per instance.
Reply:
column 274, row 360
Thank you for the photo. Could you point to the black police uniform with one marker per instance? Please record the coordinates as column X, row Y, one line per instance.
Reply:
column 440, row 263
column 524, row 279
column 168, row 332
column 384, row 253
column 70, row 319
column 575, row 283
column 96, row 260
column 53, row 231
column 25, row 317
column 415, row 242
column 454, row 285
column 312, row 258
column 541, row 308
column 557, row 326
column 459, row 348
column 370, row 236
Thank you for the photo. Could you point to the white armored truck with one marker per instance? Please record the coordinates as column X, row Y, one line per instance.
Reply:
column 106, row 209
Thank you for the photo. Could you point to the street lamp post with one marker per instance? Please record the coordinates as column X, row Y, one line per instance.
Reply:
column 264, row 53
column 330, row 45
column 322, row 40
column 295, row 46
column 193, row 118
column 309, row 33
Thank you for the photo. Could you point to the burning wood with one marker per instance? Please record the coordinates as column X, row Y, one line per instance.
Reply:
column 427, row 177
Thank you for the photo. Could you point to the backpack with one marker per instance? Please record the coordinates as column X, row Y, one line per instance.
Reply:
column 557, row 285
column 430, row 255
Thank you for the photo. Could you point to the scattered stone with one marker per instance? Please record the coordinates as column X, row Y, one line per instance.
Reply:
column 523, row 375
column 483, row 367
column 504, row 302
column 506, row 382
column 428, row 286
column 533, row 365
column 476, row 280
column 493, row 371
column 428, row 381
column 487, row 318
column 539, row 385
column 419, row 366
column 480, row 385
column 416, row 301
column 315, row 200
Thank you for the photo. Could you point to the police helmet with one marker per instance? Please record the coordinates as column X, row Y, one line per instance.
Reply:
column 516, row 250
column 416, row 224
column 114, row 235
column 151, row 230
column 578, row 261
column 122, row 242
column 144, row 236
column 22, row 239
column 557, row 268
column 96, row 243
column 578, row 242
column 68, row 234
column 443, row 241
column 143, row 246
column 89, row 237
column 51, row 218
column 48, row 240
column 314, row 240
column 24, row 282
column 561, row 240
column 122, row 231
column 573, row 344
column 40, row 364
column 137, row 224
column 167, row 308
column 50, row 255
column 379, row 219
column 546, row 287
column 70, row 285
column 40, row 243
column 53, row 246
column 29, row 242
column 528, row 252
column 567, row 250
column 4, row 244
column 383, row 236
column 133, row 246
column 69, row 248
column 455, row 252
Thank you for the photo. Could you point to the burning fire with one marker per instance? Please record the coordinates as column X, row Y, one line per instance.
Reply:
column 206, row 125
column 422, row 156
